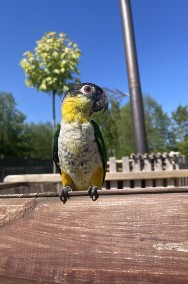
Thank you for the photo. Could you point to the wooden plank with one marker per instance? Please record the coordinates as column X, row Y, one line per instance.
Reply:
column 126, row 169
column 33, row 178
column 147, row 168
column 158, row 167
column 7, row 185
column 169, row 166
column 22, row 187
column 117, row 239
column 181, row 165
column 12, row 210
column 113, row 169
column 147, row 175
column 136, row 164
column 114, row 176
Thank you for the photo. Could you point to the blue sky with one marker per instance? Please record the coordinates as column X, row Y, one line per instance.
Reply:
column 161, row 31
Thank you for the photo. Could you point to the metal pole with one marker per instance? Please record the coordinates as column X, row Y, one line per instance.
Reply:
column 133, row 78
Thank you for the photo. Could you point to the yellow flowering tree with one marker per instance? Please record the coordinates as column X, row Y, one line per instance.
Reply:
column 53, row 67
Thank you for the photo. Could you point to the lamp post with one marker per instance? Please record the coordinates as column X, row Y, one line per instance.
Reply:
column 137, row 108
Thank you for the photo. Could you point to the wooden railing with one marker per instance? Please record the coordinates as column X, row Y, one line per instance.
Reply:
column 138, row 171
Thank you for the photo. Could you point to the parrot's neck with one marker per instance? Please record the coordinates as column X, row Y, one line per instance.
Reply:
column 76, row 109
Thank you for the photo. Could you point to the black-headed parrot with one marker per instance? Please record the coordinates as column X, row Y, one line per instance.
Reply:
column 78, row 147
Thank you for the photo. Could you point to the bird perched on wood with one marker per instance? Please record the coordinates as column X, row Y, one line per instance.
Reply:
column 78, row 147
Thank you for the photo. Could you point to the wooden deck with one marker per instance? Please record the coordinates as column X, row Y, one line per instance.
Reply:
column 139, row 237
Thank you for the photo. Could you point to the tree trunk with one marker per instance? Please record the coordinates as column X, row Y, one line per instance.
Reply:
column 53, row 109
column 53, row 121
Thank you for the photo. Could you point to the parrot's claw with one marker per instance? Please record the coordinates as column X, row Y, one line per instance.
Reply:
column 64, row 193
column 92, row 192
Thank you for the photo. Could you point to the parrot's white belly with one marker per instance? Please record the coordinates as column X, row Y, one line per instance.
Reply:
column 78, row 153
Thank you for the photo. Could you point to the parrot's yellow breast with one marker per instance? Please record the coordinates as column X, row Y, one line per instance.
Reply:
column 76, row 108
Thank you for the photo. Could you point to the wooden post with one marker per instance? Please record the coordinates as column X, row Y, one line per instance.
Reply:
column 168, row 167
column 113, row 169
column 136, row 168
column 126, row 168
column 158, row 166
column 147, row 168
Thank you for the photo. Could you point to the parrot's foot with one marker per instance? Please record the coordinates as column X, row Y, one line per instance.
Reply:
column 64, row 193
column 92, row 191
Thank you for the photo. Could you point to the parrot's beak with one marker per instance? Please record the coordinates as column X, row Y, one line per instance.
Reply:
column 101, row 102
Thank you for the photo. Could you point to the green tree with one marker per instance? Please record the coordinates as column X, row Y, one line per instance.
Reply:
column 53, row 67
column 180, row 128
column 109, row 129
column 180, row 122
column 12, row 133
column 159, row 135
column 182, row 147
column 109, row 123
column 126, row 137
column 39, row 140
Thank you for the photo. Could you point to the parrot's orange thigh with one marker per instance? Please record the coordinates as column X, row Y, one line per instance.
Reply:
column 97, row 177
column 66, row 180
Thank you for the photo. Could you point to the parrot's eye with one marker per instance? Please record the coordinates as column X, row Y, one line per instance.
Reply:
column 87, row 89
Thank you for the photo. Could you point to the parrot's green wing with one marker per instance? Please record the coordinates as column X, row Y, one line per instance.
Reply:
column 55, row 147
column 101, row 145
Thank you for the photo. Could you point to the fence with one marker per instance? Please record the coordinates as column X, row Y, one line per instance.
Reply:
column 149, row 170
column 20, row 166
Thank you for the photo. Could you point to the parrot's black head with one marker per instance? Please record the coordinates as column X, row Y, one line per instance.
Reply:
column 88, row 95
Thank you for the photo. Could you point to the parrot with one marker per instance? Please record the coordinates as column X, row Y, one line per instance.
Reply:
column 78, row 147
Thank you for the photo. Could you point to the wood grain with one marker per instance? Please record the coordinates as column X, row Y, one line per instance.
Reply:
column 13, row 209
column 139, row 238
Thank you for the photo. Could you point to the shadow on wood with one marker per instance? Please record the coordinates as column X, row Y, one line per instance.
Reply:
column 141, row 238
